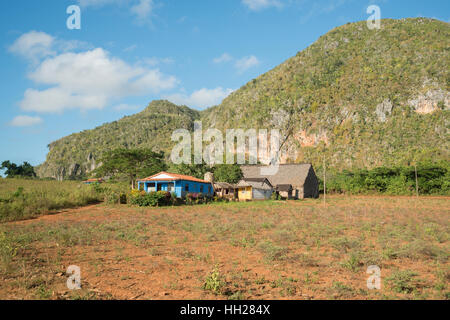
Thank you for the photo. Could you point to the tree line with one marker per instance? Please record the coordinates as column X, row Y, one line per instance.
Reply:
column 423, row 178
column 128, row 165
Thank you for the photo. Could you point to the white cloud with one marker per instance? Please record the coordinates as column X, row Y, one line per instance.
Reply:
column 257, row 5
column 25, row 121
column 246, row 63
column 33, row 45
column 202, row 98
column 89, row 80
column 223, row 58
column 36, row 45
column 142, row 10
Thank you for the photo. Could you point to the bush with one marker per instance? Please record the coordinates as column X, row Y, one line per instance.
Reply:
column 197, row 198
column 403, row 281
column 151, row 199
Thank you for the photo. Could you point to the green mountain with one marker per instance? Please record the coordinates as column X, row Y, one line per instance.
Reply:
column 357, row 97
column 78, row 154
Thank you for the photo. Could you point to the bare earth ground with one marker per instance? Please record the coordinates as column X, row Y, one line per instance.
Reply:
column 262, row 250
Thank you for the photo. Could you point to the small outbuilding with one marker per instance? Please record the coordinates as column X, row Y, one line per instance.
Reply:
column 225, row 190
column 254, row 189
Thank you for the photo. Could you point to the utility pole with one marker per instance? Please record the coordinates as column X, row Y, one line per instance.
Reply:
column 417, row 181
column 324, row 182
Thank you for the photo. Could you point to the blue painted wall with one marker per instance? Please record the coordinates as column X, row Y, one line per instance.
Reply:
column 182, row 187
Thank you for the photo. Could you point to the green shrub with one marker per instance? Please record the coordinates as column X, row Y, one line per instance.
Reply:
column 214, row 282
column 151, row 199
column 403, row 281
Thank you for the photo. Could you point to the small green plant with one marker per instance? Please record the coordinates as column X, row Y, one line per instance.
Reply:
column 43, row 292
column 273, row 252
column 341, row 290
column 238, row 295
column 214, row 282
column 8, row 250
column 403, row 281
column 352, row 263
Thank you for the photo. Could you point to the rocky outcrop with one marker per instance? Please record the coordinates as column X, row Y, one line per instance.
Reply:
column 384, row 109
column 431, row 101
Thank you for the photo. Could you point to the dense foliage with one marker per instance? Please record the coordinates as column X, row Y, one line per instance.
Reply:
column 151, row 199
column 194, row 170
column 227, row 173
column 13, row 170
column 131, row 163
column 431, row 179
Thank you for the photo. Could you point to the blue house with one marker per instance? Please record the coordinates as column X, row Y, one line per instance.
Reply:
column 178, row 184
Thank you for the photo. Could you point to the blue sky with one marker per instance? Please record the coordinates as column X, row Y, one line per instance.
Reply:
column 56, row 81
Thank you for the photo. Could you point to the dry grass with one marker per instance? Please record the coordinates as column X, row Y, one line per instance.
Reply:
column 23, row 199
column 265, row 250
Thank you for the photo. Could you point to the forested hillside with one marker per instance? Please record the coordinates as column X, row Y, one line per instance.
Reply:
column 359, row 98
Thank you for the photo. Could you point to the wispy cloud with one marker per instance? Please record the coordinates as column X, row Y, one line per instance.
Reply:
column 25, row 121
column 202, row 98
column 223, row 58
column 141, row 9
column 36, row 45
column 257, row 5
column 33, row 45
column 316, row 8
column 130, row 48
column 155, row 61
column 246, row 63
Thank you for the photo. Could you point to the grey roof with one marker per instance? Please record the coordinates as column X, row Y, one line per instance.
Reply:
column 223, row 185
column 293, row 174
column 256, row 183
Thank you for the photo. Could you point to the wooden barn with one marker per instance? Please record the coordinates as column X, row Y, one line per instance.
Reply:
column 294, row 181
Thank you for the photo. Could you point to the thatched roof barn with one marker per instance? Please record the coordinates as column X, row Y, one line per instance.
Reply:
column 301, row 177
